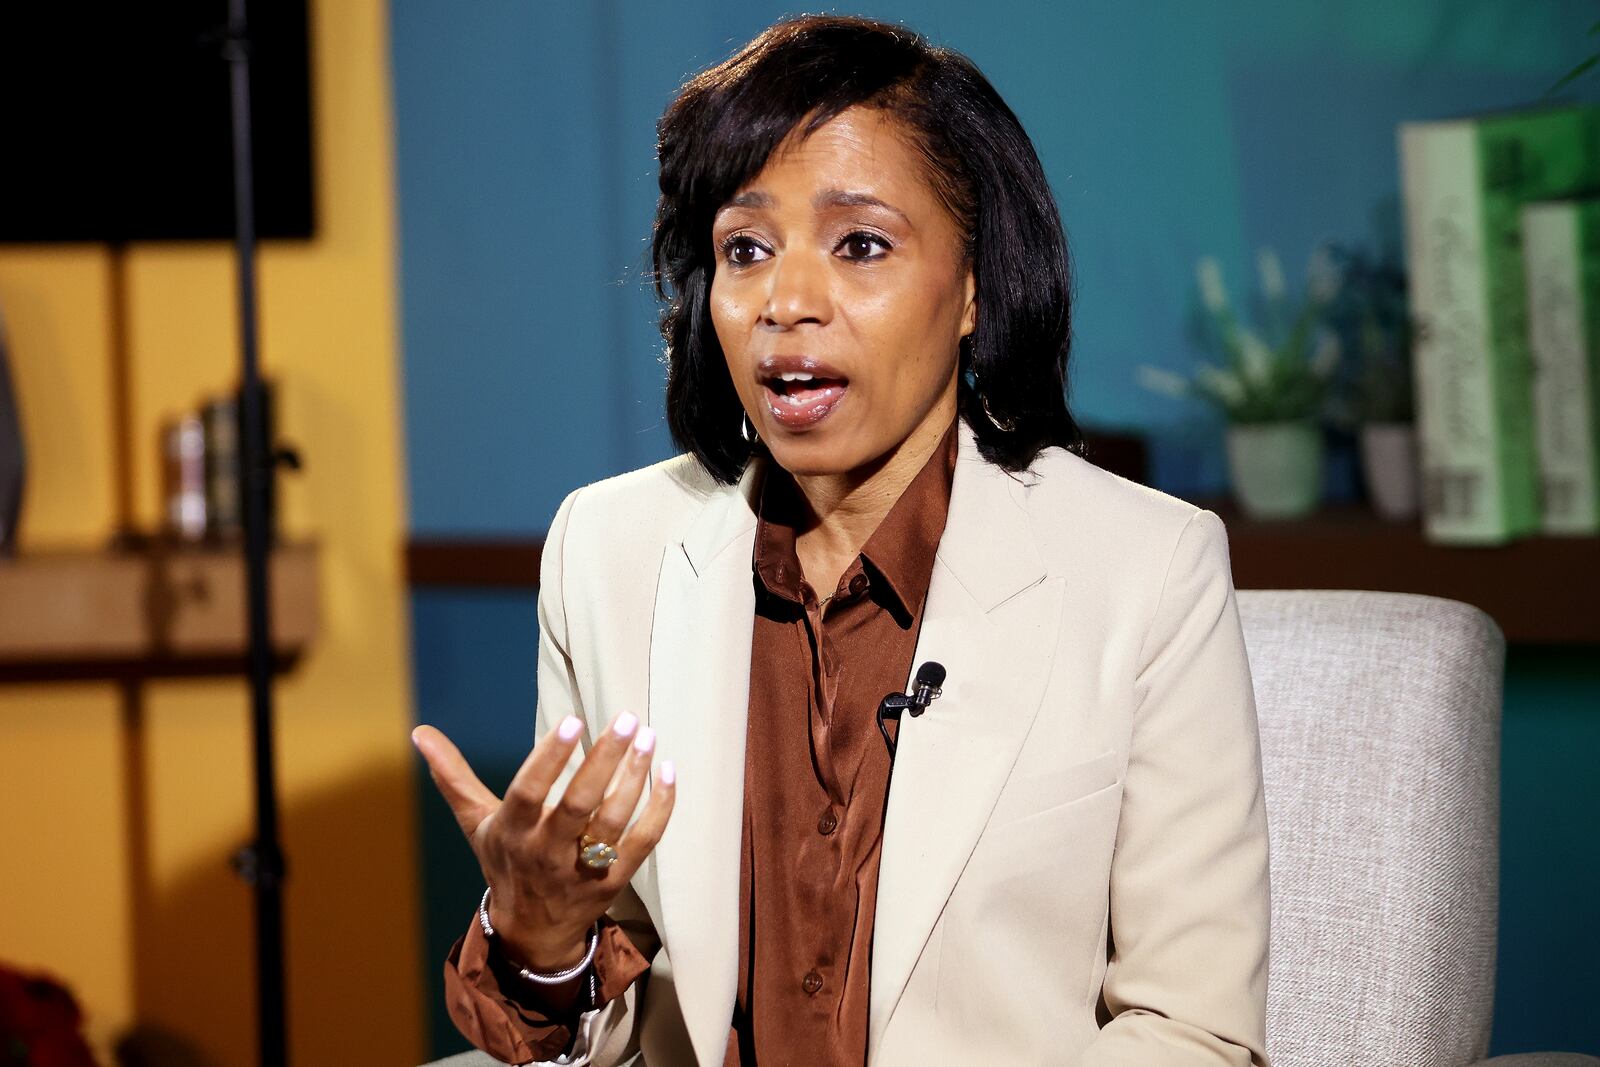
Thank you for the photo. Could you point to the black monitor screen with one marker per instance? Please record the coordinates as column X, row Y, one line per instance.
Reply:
column 116, row 120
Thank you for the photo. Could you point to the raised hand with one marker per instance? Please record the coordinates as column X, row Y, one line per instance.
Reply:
column 543, row 899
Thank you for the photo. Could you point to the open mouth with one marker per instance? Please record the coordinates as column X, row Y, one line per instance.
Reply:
column 802, row 398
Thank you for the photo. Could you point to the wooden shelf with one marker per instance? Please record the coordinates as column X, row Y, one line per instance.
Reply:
column 1542, row 590
column 483, row 562
column 167, row 611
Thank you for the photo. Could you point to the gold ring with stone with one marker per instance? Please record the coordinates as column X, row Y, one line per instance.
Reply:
column 595, row 853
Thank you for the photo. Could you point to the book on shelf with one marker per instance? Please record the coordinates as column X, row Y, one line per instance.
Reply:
column 1561, row 250
column 1464, row 183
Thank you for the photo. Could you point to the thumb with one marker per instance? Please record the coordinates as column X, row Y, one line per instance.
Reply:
column 470, row 800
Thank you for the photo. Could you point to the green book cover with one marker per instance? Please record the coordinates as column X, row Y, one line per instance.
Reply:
column 1561, row 249
column 1464, row 184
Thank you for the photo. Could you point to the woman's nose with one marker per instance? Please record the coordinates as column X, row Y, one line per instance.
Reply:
column 797, row 293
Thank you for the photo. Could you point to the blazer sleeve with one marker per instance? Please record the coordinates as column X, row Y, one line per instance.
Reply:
column 1186, row 981
column 606, row 1035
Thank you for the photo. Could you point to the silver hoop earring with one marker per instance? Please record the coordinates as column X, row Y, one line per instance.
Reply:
column 1004, row 426
column 747, row 430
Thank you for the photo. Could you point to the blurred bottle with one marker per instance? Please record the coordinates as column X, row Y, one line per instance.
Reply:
column 224, row 503
column 183, row 447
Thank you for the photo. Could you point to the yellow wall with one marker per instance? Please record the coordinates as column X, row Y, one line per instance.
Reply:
column 121, row 808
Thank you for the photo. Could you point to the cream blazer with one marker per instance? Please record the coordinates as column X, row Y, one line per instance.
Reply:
column 1074, row 862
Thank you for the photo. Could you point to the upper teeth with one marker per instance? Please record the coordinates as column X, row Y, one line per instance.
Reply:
column 795, row 376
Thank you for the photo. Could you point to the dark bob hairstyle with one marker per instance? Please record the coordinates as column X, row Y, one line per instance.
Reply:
column 716, row 136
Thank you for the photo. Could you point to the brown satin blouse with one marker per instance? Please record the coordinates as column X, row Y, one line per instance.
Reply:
column 816, row 780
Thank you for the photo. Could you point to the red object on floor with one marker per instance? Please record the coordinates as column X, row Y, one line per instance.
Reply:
column 40, row 1023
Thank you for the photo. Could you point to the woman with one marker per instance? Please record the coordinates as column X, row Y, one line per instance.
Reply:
column 1061, row 855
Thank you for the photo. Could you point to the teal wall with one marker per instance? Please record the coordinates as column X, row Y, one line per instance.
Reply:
column 1169, row 130
column 1547, row 991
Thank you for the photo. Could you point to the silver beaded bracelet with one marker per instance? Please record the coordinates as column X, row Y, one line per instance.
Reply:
column 557, row 977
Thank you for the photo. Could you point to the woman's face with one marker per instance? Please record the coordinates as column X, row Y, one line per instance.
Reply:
column 841, row 296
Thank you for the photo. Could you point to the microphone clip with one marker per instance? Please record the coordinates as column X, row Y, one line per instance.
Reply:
column 925, row 689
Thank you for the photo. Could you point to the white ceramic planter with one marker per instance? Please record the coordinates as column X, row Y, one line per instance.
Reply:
column 1389, row 464
column 1276, row 467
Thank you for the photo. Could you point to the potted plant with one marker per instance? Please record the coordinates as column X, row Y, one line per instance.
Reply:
column 1370, row 315
column 1271, row 389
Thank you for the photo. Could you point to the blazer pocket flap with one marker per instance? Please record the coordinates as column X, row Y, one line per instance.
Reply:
column 1037, row 791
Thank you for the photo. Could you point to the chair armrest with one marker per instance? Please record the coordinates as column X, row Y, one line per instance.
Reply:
column 1539, row 1059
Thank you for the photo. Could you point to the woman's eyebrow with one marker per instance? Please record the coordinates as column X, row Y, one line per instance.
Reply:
column 844, row 198
column 827, row 198
column 750, row 198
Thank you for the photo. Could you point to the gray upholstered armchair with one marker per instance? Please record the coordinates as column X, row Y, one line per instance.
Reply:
column 1380, row 734
column 1380, row 730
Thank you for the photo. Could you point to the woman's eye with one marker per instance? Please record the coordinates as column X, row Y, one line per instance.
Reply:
column 741, row 251
column 863, row 245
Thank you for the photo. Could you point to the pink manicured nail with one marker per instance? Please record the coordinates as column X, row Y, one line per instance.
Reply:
column 570, row 727
column 669, row 773
column 625, row 724
column 645, row 741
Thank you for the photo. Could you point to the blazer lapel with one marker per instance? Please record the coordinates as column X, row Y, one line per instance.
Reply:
column 699, row 698
column 991, row 618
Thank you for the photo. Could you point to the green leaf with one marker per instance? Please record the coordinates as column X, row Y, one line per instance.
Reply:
column 1294, row 349
column 1574, row 74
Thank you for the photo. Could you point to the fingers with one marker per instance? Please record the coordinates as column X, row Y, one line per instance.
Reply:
column 526, row 794
column 600, row 798
column 566, row 820
column 646, row 831
column 469, row 799
column 611, row 818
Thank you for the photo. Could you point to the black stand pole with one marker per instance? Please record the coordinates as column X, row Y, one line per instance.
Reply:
column 261, row 863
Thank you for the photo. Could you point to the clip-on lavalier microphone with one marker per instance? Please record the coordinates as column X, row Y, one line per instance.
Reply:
column 924, row 690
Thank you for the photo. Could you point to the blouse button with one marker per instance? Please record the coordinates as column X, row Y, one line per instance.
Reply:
column 811, row 983
column 828, row 823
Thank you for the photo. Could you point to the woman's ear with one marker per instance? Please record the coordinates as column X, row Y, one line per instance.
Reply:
column 969, row 313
